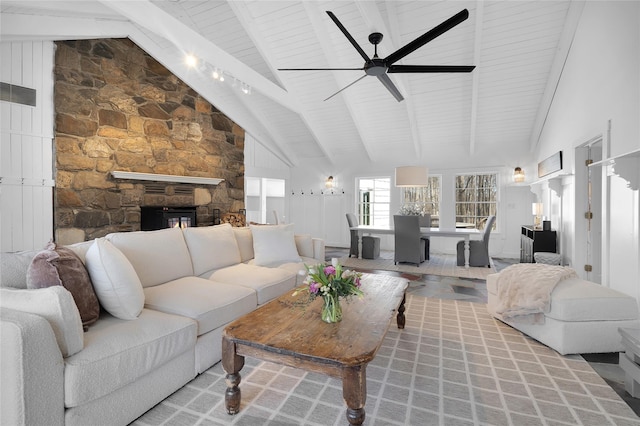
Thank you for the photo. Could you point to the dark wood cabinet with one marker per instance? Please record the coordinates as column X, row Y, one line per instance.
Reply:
column 535, row 240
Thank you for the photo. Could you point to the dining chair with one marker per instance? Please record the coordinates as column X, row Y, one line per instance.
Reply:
column 478, row 249
column 409, row 245
column 370, row 244
column 425, row 222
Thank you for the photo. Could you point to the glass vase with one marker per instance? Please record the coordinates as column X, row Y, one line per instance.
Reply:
column 331, row 309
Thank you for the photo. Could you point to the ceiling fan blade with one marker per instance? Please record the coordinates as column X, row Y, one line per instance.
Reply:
column 427, row 37
column 384, row 79
column 321, row 69
column 430, row 68
column 347, row 35
column 349, row 85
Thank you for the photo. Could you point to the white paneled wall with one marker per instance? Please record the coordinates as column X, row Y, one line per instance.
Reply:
column 26, row 155
column 256, row 155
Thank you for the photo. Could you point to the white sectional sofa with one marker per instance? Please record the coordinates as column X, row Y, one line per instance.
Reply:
column 192, row 283
column 584, row 317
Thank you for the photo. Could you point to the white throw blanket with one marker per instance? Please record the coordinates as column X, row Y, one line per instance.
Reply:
column 524, row 290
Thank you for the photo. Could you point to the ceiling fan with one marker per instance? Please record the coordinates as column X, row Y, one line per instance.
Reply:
column 380, row 67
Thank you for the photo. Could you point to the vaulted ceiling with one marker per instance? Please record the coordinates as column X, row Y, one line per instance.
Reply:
column 491, row 116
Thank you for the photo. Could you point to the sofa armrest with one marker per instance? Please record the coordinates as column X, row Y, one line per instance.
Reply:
column 318, row 249
column 32, row 369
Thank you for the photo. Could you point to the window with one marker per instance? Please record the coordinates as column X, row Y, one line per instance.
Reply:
column 424, row 200
column 373, row 203
column 476, row 198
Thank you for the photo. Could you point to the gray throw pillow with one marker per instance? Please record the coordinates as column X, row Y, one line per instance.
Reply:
column 61, row 266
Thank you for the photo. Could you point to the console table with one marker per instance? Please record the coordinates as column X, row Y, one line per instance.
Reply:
column 535, row 240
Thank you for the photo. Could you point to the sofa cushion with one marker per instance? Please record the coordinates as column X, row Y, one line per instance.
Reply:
column 56, row 305
column 244, row 238
column 274, row 244
column 210, row 304
column 61, row 266
column 13, row 268
column 115, row 281
column 578, row 300
column 157, row 256
column 211, row 247
column 268, row 283
column 299, row 269
column 118, row 352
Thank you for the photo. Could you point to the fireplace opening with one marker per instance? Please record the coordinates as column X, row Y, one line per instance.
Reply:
column 153, row 218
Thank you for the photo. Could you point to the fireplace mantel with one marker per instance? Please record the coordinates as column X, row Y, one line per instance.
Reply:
column 165, row 178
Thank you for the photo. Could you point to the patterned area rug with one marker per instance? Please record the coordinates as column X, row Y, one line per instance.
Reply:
column 438, row 264
column 452, row 365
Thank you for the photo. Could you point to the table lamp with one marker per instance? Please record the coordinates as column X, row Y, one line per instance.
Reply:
column 536, row 210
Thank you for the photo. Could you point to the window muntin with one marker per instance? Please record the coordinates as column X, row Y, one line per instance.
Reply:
column 476, row 198
column 374, row 200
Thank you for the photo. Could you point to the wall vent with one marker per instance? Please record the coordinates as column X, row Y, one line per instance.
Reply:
column 183, row 190
column 154, row 188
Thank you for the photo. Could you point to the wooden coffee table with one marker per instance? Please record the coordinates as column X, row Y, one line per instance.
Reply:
column 295, row 336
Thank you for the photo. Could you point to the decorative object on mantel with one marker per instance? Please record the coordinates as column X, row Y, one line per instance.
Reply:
column 331, row 282
column 518, row 175
column 119, row 174
column 550, row 165
column 238, row 220
column 412, row 176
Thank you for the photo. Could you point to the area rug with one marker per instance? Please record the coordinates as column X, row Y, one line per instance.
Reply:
column 438, row 264
column 453, row 364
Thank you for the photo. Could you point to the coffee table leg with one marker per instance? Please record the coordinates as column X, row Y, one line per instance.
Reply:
column 232, row 364
column 401, row 308
column 354, row 392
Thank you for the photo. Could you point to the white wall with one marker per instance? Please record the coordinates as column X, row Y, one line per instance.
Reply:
column 26, row 138
column 515, row 205
column 601, row 82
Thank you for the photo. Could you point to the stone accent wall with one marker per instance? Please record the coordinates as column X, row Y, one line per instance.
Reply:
column 119, row 109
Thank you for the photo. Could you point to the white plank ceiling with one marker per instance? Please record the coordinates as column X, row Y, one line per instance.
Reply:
column 489, row 117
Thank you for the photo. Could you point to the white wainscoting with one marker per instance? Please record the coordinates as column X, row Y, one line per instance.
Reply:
column 322, row 216
column 26, row 154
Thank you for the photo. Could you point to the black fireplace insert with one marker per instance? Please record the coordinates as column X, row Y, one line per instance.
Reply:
column 153, row 218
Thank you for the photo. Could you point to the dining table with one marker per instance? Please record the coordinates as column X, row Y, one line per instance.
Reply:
column 460, row 233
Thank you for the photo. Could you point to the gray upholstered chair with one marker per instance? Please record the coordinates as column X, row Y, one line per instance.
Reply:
column 409, row 246
column 370, row 244
column 478, row 249
column 425, row 222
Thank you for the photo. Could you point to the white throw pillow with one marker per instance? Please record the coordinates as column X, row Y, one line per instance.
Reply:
column 245, row 242
column 274, row 244
column 56, row 305
column 115, row 281
column 212, row 247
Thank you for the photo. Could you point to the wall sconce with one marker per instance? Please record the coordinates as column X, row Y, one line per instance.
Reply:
column 536, row 210
column 329, row 183
column 412, row 176
column 518, row 175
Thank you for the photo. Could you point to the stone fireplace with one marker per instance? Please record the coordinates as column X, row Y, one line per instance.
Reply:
column 119, row 110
